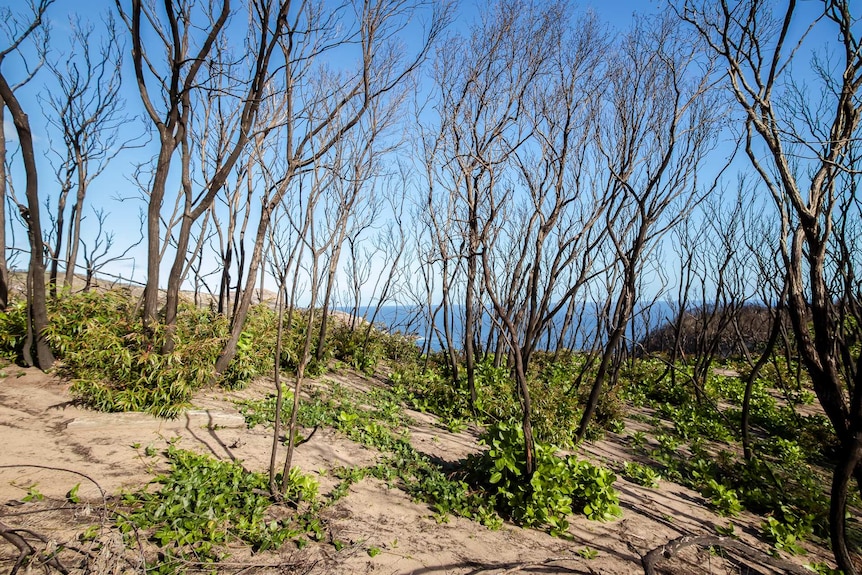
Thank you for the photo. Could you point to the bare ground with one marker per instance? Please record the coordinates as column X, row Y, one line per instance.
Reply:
column 49, row 442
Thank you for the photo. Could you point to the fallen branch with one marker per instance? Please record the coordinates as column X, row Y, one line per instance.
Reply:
column 62, row 470
column 13, row 534
column 671, row 548
column 510, row 568
column 26, row 550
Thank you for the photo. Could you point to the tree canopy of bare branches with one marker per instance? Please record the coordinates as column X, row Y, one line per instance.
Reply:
column 801, row 136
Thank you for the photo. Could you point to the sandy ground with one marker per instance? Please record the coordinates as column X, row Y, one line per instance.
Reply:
column 48, row 442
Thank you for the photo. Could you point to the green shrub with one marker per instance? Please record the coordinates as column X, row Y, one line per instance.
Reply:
column 400, row 348
column 641, row 474
column 495, row 390
column 787, row 530
column 641, row 384
column 293, row 343
column 255, row 348
column 722, row 499
column 13, row 330
column 350, row 346
column 559, row 486
column 430, row 390
column 376, row 420
column 116, row 366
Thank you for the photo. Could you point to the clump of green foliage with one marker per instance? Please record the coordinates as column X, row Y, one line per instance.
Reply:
column 338, row 407
column 364, row 348
column 786, row 530
column 722, row 499
column 116, row 365
column 351, row 347
column 204, row 504
column 559, row 387
column 648, row 383
column 431, row 390
column 780, row 482
column 13, row 330
column 558, row 487
column 488, row 484
column 556, row 401
column 641, row 474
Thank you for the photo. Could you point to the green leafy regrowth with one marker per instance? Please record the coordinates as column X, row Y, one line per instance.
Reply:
column 556, row 406
column 641, row 474
column 72, row 494
column 375, row 419
column 783, row 476
column 33, row 494
column 786, row 531
column 823, row 569
column 353, row 413
column 559, row 486
column 722, row 499
column 13, row 331
column 203, row 503
column 364, row 349
column 115, row 366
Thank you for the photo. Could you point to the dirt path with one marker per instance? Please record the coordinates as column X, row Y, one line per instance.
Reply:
column 40, row 426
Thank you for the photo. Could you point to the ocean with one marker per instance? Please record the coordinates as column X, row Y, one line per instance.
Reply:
column 588, row 326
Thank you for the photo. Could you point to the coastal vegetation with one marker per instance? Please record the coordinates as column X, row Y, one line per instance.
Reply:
column 530, row 187
column 693, row 438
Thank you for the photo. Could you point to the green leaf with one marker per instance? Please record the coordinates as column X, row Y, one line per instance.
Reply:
column 72, row 494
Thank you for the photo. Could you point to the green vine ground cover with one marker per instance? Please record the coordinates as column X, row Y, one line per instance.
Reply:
column 485, row 488
column 699, row 445
column 202, row 504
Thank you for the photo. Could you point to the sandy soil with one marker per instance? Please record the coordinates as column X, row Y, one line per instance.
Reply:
column 48, row 442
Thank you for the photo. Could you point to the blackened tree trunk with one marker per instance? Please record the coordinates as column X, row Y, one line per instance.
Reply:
column 36, row 294
column 4, row 265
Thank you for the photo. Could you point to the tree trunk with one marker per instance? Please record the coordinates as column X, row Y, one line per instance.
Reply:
column 175, row 278
column 469, row 350
column 848, row 463
column 451, row 353
column 621, row 318
column 4, row 266
column 300, row 374
column 526, row 410
column 327, row 296
column 58, row 246
column 37, row 303
column 240, row 269
column 755, row 371
column 154, row 215
column 279, row 393
column 241, row 308
column 75, row 224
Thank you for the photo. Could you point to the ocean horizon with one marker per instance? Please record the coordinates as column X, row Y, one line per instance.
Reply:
column 581, row 334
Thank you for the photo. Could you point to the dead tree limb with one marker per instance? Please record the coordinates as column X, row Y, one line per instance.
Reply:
column 671, row 548
column 26, row 550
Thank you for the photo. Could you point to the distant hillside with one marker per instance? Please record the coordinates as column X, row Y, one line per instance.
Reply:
column 751, row 329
